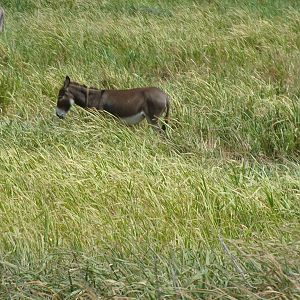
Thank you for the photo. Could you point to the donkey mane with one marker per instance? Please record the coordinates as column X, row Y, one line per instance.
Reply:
column 83, row 85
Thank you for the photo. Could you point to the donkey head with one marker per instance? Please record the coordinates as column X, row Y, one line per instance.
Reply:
column 65, row 99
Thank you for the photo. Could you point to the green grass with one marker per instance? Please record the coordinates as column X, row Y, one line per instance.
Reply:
column 90, row 208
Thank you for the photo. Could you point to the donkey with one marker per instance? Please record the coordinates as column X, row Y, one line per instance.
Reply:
column 131, row 106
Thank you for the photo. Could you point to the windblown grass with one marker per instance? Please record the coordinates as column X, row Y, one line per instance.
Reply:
column 91, row 208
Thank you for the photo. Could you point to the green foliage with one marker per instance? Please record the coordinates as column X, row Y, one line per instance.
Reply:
column 143, row 215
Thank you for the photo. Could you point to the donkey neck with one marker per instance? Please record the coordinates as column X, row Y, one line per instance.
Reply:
column 87, row 97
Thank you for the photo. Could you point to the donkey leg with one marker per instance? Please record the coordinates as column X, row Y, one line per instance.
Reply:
column 153, row 121
column 152, row 114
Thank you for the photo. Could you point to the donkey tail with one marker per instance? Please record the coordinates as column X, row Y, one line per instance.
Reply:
column 163, row 127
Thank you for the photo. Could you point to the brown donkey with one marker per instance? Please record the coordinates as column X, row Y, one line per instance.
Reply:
column 131, row 106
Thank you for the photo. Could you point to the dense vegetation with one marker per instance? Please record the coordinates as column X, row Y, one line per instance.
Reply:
column 91, row 208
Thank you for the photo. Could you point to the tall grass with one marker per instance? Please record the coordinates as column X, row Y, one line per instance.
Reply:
column 91, row 208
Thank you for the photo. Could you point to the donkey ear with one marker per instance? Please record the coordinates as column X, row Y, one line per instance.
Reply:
column 67, row 82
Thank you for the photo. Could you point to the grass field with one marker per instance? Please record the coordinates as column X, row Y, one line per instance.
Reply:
column 92, row 209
